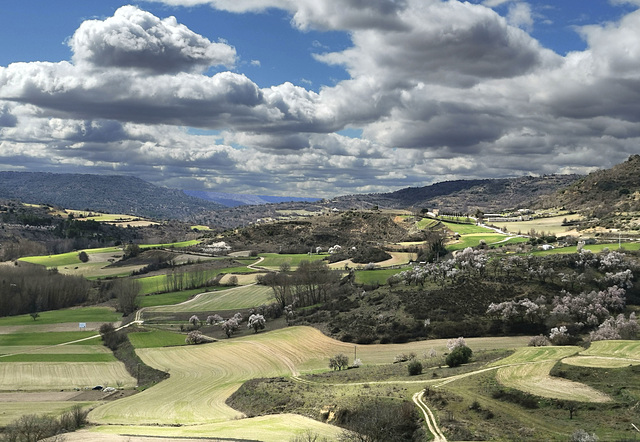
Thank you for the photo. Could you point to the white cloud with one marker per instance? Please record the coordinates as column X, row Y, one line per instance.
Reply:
column 440, row 90
column 520, row 16
column 136, row 39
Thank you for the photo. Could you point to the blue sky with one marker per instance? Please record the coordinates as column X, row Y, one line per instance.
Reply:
column 318, row 97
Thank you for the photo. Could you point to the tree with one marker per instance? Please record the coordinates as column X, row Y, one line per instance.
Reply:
column 230, row 326
column 126, row 292
column 131, row 251
column 195, row 337
column 256, row 322
column 338, row 362
column 460, row 355
column 233, row 280
column 194, row 320
column 34, row 315
column 83, row 257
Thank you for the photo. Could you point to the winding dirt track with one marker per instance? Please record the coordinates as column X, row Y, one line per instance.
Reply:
column 429, row 418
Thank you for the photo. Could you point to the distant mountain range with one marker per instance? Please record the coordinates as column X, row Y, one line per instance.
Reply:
column 238, row 199
column 103, row 193
column 610, row 190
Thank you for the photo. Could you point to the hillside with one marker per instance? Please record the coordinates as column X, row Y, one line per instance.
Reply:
column 603, row 191
column 467, row 195
column 105, row 193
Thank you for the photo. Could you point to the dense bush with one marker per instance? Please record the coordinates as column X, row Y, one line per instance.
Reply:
column 458, row 356
column 32, row 427
column 414, row 368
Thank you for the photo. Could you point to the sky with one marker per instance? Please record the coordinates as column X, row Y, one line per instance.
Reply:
column 318, row 98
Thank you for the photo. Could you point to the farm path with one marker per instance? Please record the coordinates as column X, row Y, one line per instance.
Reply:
column 253, row 266
column 429, row 418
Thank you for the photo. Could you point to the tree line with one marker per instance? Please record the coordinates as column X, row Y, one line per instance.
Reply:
column 31, row 288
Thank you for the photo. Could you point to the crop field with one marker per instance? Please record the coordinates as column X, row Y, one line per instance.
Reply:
column 48, row 338
column 275, row 260
column 620, row 349
column 534, row 378
column 465, row 229
column 538, row 354
column 202, row 377
column 83, row 314
column 57, row 350
column 32, row 376
column 608, row 354
column 552, row 225
column 271, row 428
column 234, row 298
column 528, row 370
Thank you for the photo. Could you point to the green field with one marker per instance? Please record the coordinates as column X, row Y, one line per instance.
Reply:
column 82, row 314
column 234, row 298
column 473, row 240
column 50, row 338
column 71, row 258
column 538, row 354
column 376, row 276
column 427, row 223
column 465, row 229
column 156, row 338
column 275, row 260
column 171, row 245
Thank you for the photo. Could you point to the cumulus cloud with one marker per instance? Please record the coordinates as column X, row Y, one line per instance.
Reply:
column 439, row 90
column 137, row 39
